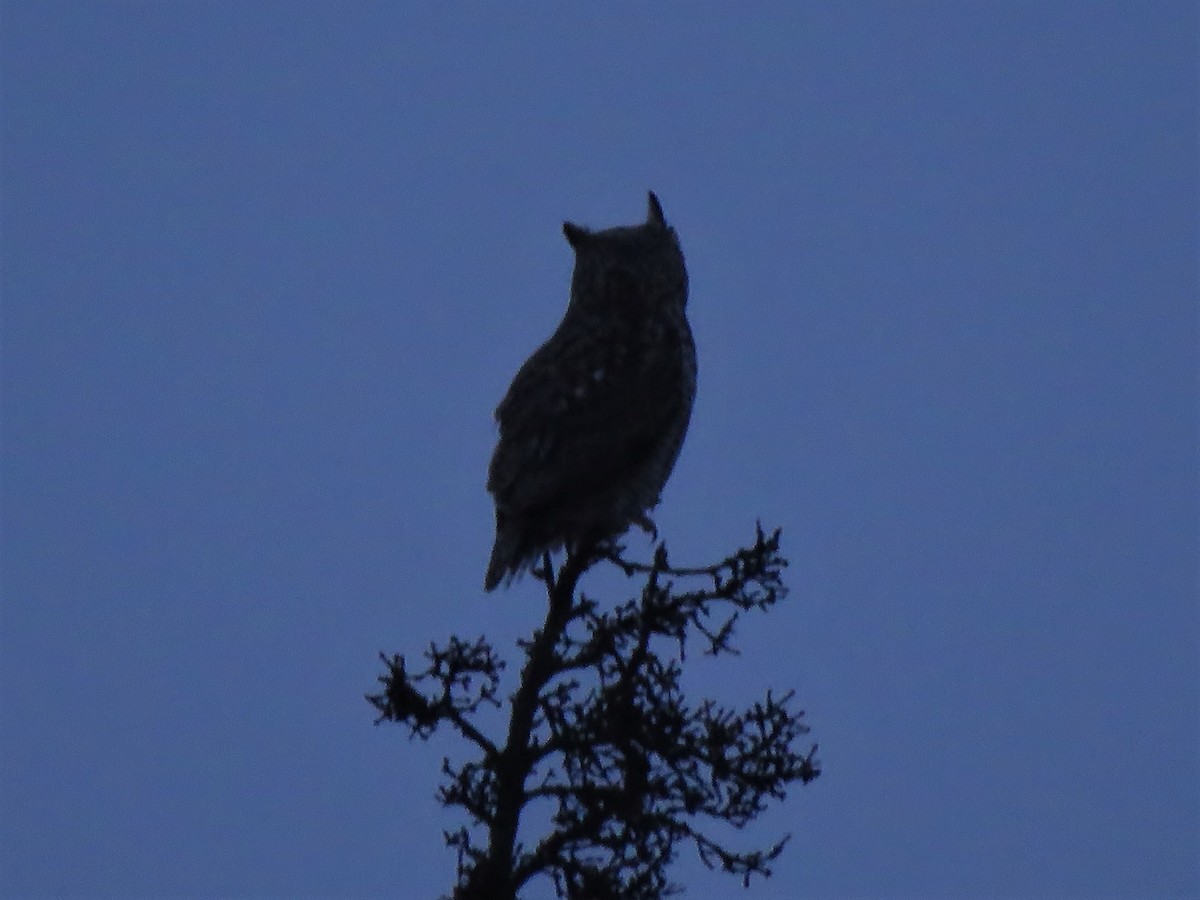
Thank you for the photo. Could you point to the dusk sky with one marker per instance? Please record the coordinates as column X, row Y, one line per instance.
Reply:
column 267, row 268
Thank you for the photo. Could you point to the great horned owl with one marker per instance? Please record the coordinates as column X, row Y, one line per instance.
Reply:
column 592, row 423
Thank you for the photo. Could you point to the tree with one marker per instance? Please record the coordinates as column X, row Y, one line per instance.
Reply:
column 602, row 734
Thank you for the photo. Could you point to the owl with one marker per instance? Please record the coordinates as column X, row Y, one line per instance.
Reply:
column 593, row 421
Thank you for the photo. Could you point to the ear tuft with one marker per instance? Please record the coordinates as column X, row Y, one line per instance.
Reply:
column 654, row 215
column 575, row 234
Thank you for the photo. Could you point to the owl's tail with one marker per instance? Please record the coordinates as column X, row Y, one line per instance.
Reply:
column 503, row 561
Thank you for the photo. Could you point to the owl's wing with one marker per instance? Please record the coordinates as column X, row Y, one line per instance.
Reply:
column 589, row 405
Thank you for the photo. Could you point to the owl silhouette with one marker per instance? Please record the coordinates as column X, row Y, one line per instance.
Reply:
column 592, row 424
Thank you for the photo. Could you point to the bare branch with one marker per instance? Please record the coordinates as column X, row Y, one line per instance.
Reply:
column 601, row 732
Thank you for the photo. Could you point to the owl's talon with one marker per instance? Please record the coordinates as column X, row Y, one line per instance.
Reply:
column 610, row 549
column 647, row 525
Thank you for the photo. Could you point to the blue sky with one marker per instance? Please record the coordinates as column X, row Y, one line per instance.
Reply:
column 268, row 267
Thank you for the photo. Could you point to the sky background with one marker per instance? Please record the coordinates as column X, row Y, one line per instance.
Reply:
column 268, row 267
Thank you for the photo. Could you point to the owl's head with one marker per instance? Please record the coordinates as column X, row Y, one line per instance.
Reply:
column 628, row 264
